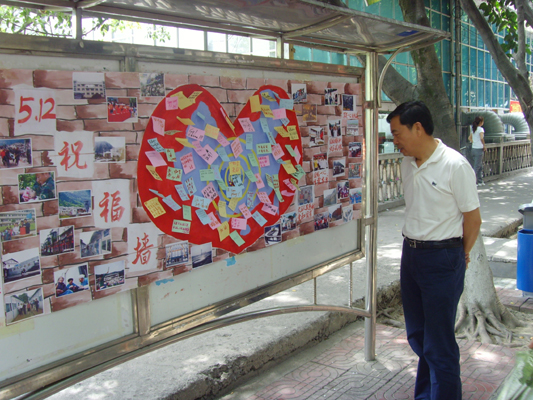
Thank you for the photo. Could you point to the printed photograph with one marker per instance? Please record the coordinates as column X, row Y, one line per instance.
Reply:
column 176, row 254
column 320, row 161
column 71, row 280
column 75, row 204
column 321, row 221
column 335, row 213
column 272, row 234
column 152, row 84
column 201, row 255
column 15, row 153
column 316, row 136
column 57, row 240
column 121, row 109
column 309, row 113
column 21, row 264
column 331, row 97
column 348, row 102
column 330, row 197
column 23, row 305
column 88, row 85
column 347, row 213
column 343, row 190
column 334, row 127
column 95, row 243
column 306, row 195
column 299, row 92
column 36, row 187
column 109, row 275
column 356, row 195
column 354, row 149
column 288, row 221
column 17, row 224
column 352, row 127
column 354, row 170
column 110, row 149
column 339, row 167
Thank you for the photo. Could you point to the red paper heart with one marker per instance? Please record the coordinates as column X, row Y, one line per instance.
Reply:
column 207, row 110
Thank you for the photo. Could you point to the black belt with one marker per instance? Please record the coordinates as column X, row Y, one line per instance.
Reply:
column 434, row 244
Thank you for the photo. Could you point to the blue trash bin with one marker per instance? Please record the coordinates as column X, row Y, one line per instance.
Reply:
column 524, row 261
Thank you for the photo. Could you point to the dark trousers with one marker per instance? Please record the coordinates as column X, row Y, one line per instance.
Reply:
column 432, row 281
column 477, row 155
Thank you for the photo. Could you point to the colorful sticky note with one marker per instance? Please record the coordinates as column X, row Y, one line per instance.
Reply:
column 236, row 148
column 209, row 155
column 154, row 206
column 259, row 182
column 286, row 103
column 215, row 223
column 187, row 214
column 174, row 174
column 154, row 173
column 279, row 113
column 223, row 154
column 233, row 203
column 290, row 150
column 171, row 103
column 270, row 208
column 212, row 131
column 246, row 125
column 185, row 121
column 277, row 151
column 267, row 96
column 223, row 230
column 181, row 226
column 250, row 175
column 245, row 211
column 191, row 186
column 187, row 161
column 158, row 125
column 202, row 216
column 222, row 140
column 249, row 141
column 207, row 175
column 156, row 145
column 221, row 184
column 264, row 161
column 253, row 160
column 155, row 158
column 182, row 192
column 239, row 241
column 238, row 223
column 259, row 218
column 264, row 124
column 282, row 131
column 267, row 112
column 293, row 133
column 171, row 155
column 184, row 142
column 255, row 103
column 234, row 168
column 222, row 208
column 169, row 201
column 289, row 167
column 263, row 197
column 297, row 154
column 263, row 148
column 210, row 192
column 200, row 202
column 195, row 133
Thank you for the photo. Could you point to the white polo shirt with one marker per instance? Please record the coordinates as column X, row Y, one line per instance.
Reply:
column 437, row 193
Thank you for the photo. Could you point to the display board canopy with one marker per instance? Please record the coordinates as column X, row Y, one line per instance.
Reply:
column 306, row 22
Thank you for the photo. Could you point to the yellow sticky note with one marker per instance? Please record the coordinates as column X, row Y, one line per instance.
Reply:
column 230, row 124
column 233, row 203
column 222, row 209
column 183, row 101
column 234, row 168
column 267, row 111
column 281, row 130
column 211, row 131
column 155, row 207
column 268, row 96
column 194, row 95
column 289, row 167
column 295, row 183
column 184, row 142
column 293, row 133
column 154, row 173
column 255, row 103
column 185, row 121
column 223, row 230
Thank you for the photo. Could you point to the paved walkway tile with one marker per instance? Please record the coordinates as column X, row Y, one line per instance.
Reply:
column 341, row 372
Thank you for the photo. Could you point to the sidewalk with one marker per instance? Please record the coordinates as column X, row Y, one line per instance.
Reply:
column 205, row 366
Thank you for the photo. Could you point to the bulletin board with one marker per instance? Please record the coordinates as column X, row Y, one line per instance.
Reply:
column 190, row 188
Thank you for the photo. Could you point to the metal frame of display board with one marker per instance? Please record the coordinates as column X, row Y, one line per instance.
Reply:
column 146, row 336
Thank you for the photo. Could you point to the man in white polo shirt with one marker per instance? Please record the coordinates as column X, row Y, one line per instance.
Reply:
column 442, row 222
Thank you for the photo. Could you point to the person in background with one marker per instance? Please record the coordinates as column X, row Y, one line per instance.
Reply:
column 442, row 222
column 477, row 138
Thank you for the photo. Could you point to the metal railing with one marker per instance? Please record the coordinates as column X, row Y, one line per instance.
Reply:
column 500, row 159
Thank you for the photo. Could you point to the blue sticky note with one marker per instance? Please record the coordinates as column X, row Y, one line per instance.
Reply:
column 156, row 145
column 230, row 261
column 223, row 154
column 259, row 218
column 169, row 201
column 200, row 115
column 286, row 103
column 253, row 160
column 264, row 124
column 204, row 219
column 249, row 141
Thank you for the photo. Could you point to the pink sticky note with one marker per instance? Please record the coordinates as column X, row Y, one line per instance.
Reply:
column 279, row 113
column 187, row 161
column 195, row 133
column 197, row 144
column 171, row 103
column 159, row 125
column 264, row 161
column 246, row 125
column 215, row 223
column 286, row 193
column 238, row 223
column 269, row 208
column 245, row 211
column 222, row 140
column 236, row 147
column 208, row 154
column 260, row 184
column 263, row 197
column 156, row 158
column 289, row 184
column 277, row 151
column 297, row 154
column 210, row 192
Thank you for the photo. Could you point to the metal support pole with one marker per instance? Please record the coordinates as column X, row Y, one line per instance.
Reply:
column 350, row 301
column 315, row 296
column 78, row 24
column 280, row 48
column 371, row 177
column 458, row 79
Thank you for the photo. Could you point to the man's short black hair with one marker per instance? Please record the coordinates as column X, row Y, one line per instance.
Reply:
column 412, row 112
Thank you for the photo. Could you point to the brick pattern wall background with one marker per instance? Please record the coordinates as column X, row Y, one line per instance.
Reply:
column 91, row 115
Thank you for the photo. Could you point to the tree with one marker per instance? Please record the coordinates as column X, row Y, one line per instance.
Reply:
column 480, row 310
column 511, row 17
column 29, row 21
